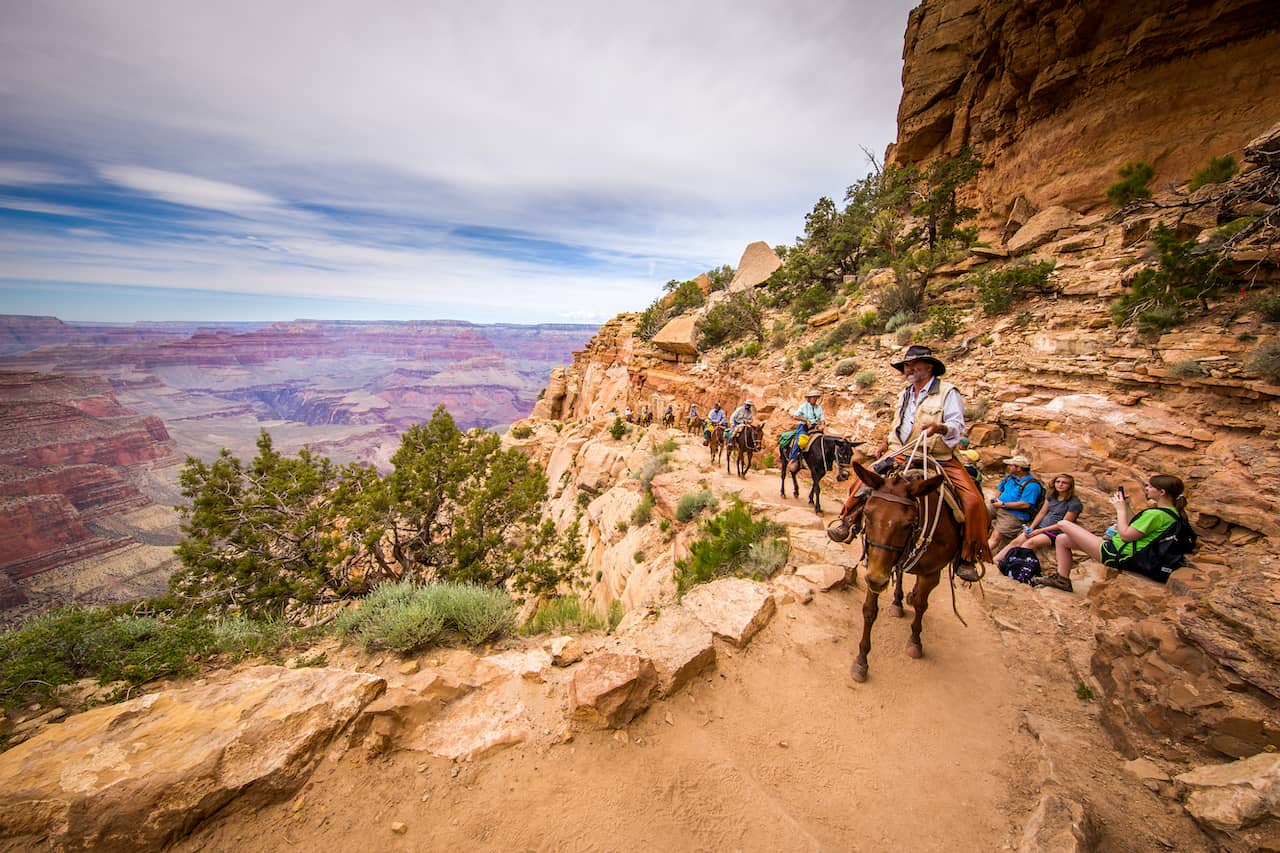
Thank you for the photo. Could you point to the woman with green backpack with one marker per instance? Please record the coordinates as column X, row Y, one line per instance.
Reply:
column 1119, row 546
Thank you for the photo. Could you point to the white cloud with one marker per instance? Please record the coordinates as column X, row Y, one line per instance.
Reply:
column 188, row 190
column 19, row 174
column 39, row 207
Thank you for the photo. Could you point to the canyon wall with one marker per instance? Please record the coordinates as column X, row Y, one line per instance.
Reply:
column 1056, row 97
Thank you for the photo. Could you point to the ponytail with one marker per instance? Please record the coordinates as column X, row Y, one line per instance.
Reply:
column 1174, row 488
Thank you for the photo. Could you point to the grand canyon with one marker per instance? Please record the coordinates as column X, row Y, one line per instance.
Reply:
column 97, row 419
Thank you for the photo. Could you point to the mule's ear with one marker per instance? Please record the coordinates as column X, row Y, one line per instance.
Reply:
column 866, row 475
column 919, row 488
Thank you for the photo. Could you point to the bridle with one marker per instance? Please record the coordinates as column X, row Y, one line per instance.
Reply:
column 919, row 537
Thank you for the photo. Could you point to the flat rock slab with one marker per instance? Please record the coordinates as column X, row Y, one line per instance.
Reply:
column 678, row 644
column 142, row 773
column 733, row 608
column 1234, row 795
column 610, row 689
column 815, row 546
column 822, row 575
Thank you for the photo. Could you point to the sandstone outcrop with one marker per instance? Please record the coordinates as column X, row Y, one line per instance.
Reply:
column 143, row 772
column 759, row 261
column 610, row 689
column 1056, row 100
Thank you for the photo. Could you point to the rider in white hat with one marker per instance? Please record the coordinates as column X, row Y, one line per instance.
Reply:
column 809, row 418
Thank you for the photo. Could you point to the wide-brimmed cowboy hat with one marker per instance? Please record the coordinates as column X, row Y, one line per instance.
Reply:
column 1019, row 460
column 916, row 352
column 814, row 393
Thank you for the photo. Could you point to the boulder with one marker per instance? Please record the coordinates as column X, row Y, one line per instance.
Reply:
column 1042, row 228
column 679, row 336
column 758, row 263
column 824, row 318
column 565, row 650
column 1235, row 795
column 733, row 608
column 679, row 646
column 1060, row 824
column 142, row 773
column 1265, row 149
column 610, row 689
column 822, row 575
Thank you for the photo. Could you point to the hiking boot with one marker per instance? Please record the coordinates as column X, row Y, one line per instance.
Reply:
column 967, row 572
column 1055, row 580
column 843, row 530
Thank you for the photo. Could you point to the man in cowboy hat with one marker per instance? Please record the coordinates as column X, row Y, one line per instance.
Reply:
column 932, row 408
column 744, row 414
column 809, row 418
column 1017, row 498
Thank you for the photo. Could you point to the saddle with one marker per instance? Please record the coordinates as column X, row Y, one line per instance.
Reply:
column 948, row 492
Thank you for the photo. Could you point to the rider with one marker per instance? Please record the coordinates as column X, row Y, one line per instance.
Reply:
column 809, row 418
column 744, row 414
column 934, row 409
column 693, row 415
column 646, row 416
column 715, row 418
column 668, row 415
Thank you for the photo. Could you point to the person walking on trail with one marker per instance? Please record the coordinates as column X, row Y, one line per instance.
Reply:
column 1017, row 499
column 809, row 418
column 931, row 411
column 715, row 418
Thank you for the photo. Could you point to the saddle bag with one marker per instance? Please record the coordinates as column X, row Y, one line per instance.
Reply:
column 1021, row 564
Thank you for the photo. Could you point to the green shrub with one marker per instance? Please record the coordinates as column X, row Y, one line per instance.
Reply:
column 865, row 379
column 638, row 556
column 847, row 367
column 1133, row 183
column 643, row 512
column 1187, row 368
column 406, row 616
column 944, row 321
column 691, row 504
column 999, row 290
column 905, row 335
column 1219, row 170
column 751, row 349
column 740, row 316
column 79, row 642
column 778, row 335
column 897, row 321
column 521, row 431
column 1225, row 232
column 621, row 525
column 1156, row 297
column 805, row 364
column 810, row 301
column 240, row 636
column 1268, row 306
column 903, row 296
column 1266, row 361
column 615, row 615
column 846, row 331
column 733, row 544
column 619, row 429
column 563, row 615
column 869, row 322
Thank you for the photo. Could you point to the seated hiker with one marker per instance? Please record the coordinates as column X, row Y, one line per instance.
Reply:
column 809, row 419
column 1118, row 547
column 969, row 458
column 715, row 418
column 1040, row 532
column 1018, row 499
column 744, row 414
column 931, row 411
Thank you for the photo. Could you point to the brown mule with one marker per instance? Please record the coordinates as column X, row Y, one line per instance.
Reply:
column 747, row 439
column 716, row 443
column 906, row 529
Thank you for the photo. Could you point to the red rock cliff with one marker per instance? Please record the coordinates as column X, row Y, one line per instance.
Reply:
column 1056, row 97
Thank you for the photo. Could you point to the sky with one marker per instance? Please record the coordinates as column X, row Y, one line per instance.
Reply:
column 416, row 159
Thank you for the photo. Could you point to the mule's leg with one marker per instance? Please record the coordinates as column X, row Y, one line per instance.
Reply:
column 870, row 609
column 920, row 603
column 782, row 489
column 895, row 609
column 816, row 491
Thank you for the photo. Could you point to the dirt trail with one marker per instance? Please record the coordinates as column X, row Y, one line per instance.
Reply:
column 775, row 749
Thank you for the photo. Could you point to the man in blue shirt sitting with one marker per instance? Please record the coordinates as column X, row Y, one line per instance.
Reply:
column 1017, row 497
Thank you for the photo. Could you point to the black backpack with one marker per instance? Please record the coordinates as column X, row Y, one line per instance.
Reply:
column 1167, row 551
column 1021, row 564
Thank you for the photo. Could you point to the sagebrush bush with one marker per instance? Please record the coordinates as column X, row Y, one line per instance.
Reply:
column 865, row 379
column 905, row 335
column 693, row 503
column 999, row 290
column 1218, row 170
column 644, row 510
column 618, row 430
column 521, row 431
column 1266, row 361
column 566, row 614
column 405, row 616
column 944, row 321
column 1187, row 368
column 847, row 367
column 240, row 636
column 1268, row 306
column 733, row 544
column 897, row 321
column 1132, row 186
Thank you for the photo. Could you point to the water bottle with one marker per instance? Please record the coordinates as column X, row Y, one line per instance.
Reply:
column 1111, row 531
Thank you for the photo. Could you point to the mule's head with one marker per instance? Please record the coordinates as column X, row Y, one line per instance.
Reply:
column 844, row 458
column 890, row 521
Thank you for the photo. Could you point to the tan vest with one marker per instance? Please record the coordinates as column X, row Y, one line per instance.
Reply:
column 928, row 411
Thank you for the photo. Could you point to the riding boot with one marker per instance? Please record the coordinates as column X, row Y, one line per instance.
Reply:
column 966, row 570
column 850, row 524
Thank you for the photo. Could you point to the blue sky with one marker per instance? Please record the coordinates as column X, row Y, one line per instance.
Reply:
column 486, row 161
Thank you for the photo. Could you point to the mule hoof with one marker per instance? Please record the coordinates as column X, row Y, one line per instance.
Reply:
column 858, row 672
column 914, row 651
column 895, row 610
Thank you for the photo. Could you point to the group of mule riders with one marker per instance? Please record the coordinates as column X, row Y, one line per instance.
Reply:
column 928, row 420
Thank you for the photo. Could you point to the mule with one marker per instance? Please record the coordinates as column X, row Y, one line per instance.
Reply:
column 746, row 440
column 824, row 453
column 715, row 441
column 906, row 529
column 668, row 420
